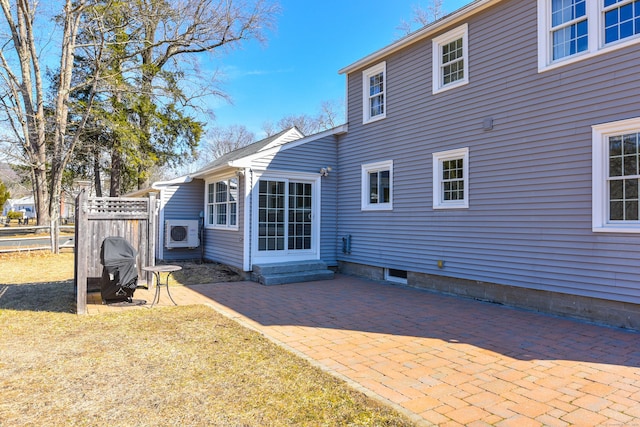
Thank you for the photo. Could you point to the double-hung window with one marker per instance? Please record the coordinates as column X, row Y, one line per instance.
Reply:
column 616, row 176
column 222, row 203
column 450, row 59
column 377, row 186
column 451, row 179
column 570, row 30
column 374, row 88
column 621, row 20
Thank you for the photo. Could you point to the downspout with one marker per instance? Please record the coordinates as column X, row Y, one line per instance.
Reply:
column 201, row 235
column 250, row 218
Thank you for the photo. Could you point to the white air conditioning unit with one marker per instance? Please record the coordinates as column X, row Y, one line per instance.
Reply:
column 181, row 233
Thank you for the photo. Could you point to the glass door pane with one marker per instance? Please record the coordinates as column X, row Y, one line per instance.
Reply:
column 271, row 218
column 300, row 229
column 285, row 216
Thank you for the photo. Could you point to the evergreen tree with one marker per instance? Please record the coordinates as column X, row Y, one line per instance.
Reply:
column 4, row 194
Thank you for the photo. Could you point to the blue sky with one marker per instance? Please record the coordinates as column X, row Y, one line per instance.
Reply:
column 298, row 67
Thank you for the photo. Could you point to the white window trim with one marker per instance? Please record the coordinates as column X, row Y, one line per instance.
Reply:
column 251, row 251
column 600, row 160
column 366, row 205
column 596, row 37
column 209, row 225
column 437, row 43
column 438, row 158
column 366, row 109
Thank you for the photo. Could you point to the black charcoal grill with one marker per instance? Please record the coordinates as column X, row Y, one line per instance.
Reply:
column 119, row 271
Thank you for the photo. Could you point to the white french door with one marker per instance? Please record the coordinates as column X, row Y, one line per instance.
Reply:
column 285, row 220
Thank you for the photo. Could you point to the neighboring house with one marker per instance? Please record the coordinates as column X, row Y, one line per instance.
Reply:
column 24, row 204
column 494, row 153
column 28, row 206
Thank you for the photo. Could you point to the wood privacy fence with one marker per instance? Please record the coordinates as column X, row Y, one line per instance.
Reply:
column 97, row 218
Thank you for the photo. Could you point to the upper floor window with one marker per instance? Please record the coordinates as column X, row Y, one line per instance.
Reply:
column 222, row 203
column 616, row 176
column 621, row 19
column 570, row 30
column 374, row 86
column 451, row 179
column 377, row 186
column 450, row 59
column 569, row 27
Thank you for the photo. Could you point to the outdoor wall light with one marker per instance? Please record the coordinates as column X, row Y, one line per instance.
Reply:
column 325, row 171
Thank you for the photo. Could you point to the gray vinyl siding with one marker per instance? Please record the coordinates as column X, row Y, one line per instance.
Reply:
column 529, row 218
column 182, row 201
column 310, row 157
column 226, row 246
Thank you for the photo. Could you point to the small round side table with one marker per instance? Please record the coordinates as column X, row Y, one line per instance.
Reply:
column 157, row 270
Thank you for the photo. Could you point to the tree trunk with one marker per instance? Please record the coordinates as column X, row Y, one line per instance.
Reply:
column 27, row 112
column 41, row 196
column 97, row 177
column 28, row 102
column 116, row 172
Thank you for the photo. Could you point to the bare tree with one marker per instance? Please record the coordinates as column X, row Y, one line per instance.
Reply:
column 305, row 124
column 422, row 16
column 41, row 133
column 269, row 128
column 328, row 117
column 224, row 140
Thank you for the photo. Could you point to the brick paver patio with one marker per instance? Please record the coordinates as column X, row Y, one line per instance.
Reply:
column 442, row 360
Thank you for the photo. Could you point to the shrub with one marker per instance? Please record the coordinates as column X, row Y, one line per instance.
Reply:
column 14, row 215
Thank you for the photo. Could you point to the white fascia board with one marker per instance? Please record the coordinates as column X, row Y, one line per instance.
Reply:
column 246, row 162
column 205, row 173
column 176, row 181
column 218, row 170
column 291, row 135
column 427, row 31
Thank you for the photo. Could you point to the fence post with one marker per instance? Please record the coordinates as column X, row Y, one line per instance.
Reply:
column 81, row 251
column 152, row 223
column 54, row 230
column 54, row 233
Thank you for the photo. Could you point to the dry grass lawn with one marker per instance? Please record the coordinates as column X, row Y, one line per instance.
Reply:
column 178, row 366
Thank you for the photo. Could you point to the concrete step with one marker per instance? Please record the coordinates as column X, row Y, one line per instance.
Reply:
column 289, row 267
column 291, row 272
column 305, row 276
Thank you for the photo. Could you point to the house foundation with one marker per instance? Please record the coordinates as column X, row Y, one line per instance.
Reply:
column 611, row 313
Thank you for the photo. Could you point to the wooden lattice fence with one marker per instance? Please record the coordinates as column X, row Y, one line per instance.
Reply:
column 97, row 218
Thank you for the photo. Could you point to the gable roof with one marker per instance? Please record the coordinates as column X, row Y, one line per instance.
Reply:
column 427, row 31
column 243, row 157
column 287, row 135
